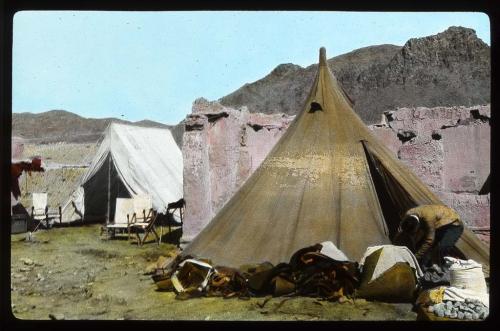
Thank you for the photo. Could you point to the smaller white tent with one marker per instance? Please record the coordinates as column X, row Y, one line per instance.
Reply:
column 130, row 161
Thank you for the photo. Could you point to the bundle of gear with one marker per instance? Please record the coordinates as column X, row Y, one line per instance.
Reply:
column 308, row 273
column 388, row 273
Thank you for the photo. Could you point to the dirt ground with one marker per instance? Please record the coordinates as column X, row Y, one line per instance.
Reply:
column 71, row 273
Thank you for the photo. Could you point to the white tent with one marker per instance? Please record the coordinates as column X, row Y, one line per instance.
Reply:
column 130, row 161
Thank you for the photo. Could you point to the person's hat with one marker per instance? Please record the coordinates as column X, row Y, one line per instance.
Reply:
column 414, row 217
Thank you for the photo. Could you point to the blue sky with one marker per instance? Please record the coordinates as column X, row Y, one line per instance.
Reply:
column 153, row 65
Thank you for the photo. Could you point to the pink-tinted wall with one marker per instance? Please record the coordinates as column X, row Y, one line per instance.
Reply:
column 447, row 147
column 221, row 148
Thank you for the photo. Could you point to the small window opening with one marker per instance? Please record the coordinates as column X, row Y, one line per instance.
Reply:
column 315, row 107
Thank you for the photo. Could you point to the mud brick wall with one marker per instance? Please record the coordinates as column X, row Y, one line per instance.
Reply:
column 221, row 148
column 447, row 147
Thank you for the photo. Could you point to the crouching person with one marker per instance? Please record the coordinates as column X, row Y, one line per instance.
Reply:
column 434, row 227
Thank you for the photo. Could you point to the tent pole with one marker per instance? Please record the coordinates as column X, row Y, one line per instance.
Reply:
column 109, row 189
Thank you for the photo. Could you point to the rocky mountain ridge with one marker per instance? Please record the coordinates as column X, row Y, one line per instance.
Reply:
column 60, row 125
column 451, row 68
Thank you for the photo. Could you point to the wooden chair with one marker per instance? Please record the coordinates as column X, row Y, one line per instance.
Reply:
column 173, row 207
column 122, row 220
column 144, row 218
column 40, row 210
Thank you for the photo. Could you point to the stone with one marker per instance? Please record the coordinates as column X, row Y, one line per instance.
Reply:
column 121, row 301
column 344, row 299
column 27, row 261
column 57, row 316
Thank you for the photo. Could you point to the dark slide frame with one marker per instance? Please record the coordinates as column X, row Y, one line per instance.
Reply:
column 10, row 7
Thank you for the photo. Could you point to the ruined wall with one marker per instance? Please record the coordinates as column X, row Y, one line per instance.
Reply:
column 447, row 147
column 221, row 148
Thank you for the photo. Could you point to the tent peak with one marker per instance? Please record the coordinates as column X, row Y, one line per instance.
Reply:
column 322, row 56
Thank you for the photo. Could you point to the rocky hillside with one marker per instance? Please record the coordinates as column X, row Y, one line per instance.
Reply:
column 60, row 125
column 451, row 68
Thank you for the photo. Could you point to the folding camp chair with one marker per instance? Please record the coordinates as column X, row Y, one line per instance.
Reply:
column 124, row 209
column 39, row 210
column 173, row 207
column 144, row 218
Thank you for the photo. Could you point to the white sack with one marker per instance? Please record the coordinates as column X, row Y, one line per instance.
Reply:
column 466, row 281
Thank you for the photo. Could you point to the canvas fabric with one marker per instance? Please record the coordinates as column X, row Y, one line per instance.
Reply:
column 142, row 203
column 318, row 184
column 124, row 206
column 329, row 249
column 40, row 201
column 389, row 256
column 140, row 161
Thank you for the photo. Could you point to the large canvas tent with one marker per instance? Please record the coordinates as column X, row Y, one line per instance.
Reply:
column 327, row 179
column 130, row 161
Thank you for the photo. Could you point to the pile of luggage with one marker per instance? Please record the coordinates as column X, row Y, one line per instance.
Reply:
column 386, row 273
column 310, row 272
